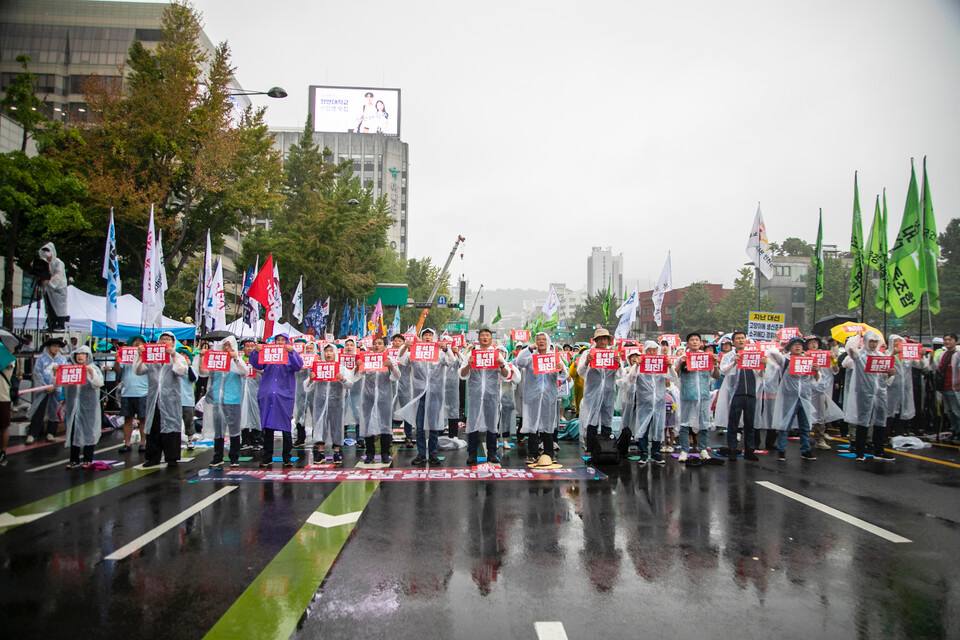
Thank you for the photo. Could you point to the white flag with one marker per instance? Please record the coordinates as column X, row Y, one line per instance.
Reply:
column 111, row 273
column 758, row 248
column 298, row 301
column 218, row 312
column 664, row 284
column 207, row 281
column 551, row 306
column 159, row 280
column 627, row 312
column 147, row 310
column 276, row 305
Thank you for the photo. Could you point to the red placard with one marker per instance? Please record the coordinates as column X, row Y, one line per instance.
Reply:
column 801, row 365
column 348, row 361
column 672, row 339
column 910, row 350
column 787, row 333
column 394, row 353
column 520, row 335
column 273, row 354
column 545, row 363
column 630, row 350
column 699, row 360
column 71, row 374
column 324, row 371
column 879, row 364
column 126, row 355
column 750, row 359
column 603, row 359
column 155, row 353
column 460, row 340
column 820, row 357
column 769, row 345
column 367, row 342
column 374, row 362
column 425, row 352
column 308, row 360
column 409, row 337
column 299, row 346
column 483, row 359
column 446, row 341
column 216, row 360
column 654, row 364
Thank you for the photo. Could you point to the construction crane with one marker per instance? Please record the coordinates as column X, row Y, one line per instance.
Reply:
column 436, row 286
column 474, row 305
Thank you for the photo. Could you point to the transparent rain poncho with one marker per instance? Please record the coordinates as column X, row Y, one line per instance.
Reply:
column 224, row 396
column 483, row 395
column 427, row 385
column 539, row 393
column 864, row 394
column 795, row 391
column 329, row 400
column 599, row 393
column 163, row 391
column 376, row 401
column 81, row 405
column 731, row 376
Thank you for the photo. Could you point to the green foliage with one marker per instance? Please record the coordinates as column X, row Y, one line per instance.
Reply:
column 731, row 312
column 590, row 313
column 836, row 290
column 695, row 311
column 421, row 276
column 794, row 247
column 948, row 319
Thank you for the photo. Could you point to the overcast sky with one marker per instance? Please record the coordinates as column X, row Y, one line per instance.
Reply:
column 540, row 129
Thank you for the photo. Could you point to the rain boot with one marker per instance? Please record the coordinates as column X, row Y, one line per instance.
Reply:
column 369, row 443
column 301, row 435
column 386, row 441
column 234, row 451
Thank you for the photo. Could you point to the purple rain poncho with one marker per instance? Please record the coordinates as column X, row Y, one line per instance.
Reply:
column 277, row 390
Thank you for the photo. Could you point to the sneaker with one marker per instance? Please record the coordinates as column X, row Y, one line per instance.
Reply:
column 781, row 456
column 419, row 461
column 823, row 446
column 189, row 445
column 751, row 456
column 368, row 459
column 658, row 459
column 860, row 458
column 337, row 457
column 86, row 465
column 49, row 437
column 642, row 461
column 234, row 465
column 385, row 458
column 30, row 439
column 72, row 465
column 704, row 455
column 667, row 449
column 265, row 465
column 884, row 457
column 471, row 461
column 434, row 461
column 287, row 465
column 148, row 464
column 216, row 464
column 807, row 455
column 683, row 456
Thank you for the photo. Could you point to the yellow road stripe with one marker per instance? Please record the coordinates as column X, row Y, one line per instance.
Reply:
column 945, row 463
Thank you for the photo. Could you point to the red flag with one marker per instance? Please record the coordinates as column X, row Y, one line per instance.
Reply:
column 262, row 290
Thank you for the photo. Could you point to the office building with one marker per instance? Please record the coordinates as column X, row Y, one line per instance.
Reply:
column 605, row 270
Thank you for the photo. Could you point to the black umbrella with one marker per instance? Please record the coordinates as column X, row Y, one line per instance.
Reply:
column 217, row 335
column 824, row 324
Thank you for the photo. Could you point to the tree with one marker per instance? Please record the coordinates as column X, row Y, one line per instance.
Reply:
column 170, row 137
column 421, row 276
column 793, row 247
column 695, row 311
column 732, row 311
column 949, row 318
column 590, row 314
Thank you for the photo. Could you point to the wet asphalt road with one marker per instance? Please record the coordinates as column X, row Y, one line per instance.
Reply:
column 670, row 552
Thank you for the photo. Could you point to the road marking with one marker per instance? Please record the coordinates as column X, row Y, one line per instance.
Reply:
column 327, row 521
column 272, row 605
column 156, row 532
column 945, row 463
column 63, row 462
column 819, row 506
column 10, row 520
column 73, row 495
column 550, row 630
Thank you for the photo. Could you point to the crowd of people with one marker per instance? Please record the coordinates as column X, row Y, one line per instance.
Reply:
column 651, row 397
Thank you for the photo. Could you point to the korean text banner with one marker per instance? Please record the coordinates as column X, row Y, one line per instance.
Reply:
column 355, row 110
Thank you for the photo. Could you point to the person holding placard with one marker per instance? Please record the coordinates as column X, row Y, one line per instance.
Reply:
column 794, row 403
column 947, row 363
column 424, row 410
column 695, row 397
column 598, row 367
column 376, row 400
column 300, row 401
column 452, row 405
column 540, row 371
column 508, row 400
column 187, row 402
column 485, row 369
column 865, row 395
column 900, row 403
column 81, row 408
column 328, row 387
column 351, row 408
column 133, row 395
column 644, row 403
column 163, row 367
column 825, row 410
column 275, row 397
column 401, row 391
column 251, row 437
column 45, row 405
column 741, row 372
column 224, row 397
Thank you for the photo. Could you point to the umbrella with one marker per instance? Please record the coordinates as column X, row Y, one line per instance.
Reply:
column 217, row 335
column 841, row 332
column 10, row 341
column 822, row 326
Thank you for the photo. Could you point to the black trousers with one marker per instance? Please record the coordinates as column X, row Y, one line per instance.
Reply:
column 860, row 444
column 593, row 441
column 165, row 444
column 473, row 443
column 39, row 427
column 745, row 406
column 268, row 445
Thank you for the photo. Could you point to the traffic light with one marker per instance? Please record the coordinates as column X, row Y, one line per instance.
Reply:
column 463, row 295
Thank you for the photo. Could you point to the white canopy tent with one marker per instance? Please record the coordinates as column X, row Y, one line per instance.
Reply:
column 242, row 330
column 88, row 315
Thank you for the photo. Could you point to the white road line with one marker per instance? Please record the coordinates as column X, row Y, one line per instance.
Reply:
column 325, row 520
column 9, row 520
column 59, row 463
column 550, row 630
column 155, row 533
column 819, row 506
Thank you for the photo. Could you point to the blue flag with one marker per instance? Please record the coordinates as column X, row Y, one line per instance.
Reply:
column 111, row 273
column 345, row 320
column 395, row 325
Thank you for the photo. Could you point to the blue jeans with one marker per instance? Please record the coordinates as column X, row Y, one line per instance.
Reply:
column 951, row 408
column 703, row 438
column 804, row 423
column 425, row 438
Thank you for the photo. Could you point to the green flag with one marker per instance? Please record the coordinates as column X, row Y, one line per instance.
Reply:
column 607, row 300
column 856, row 252
column 551, row 323
column 818, row 260
column 931, row 249
column 877, row 249
column 498, row 317
column 905, row 270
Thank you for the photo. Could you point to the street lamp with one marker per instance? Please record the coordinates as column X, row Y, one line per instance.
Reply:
column 272, row 92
